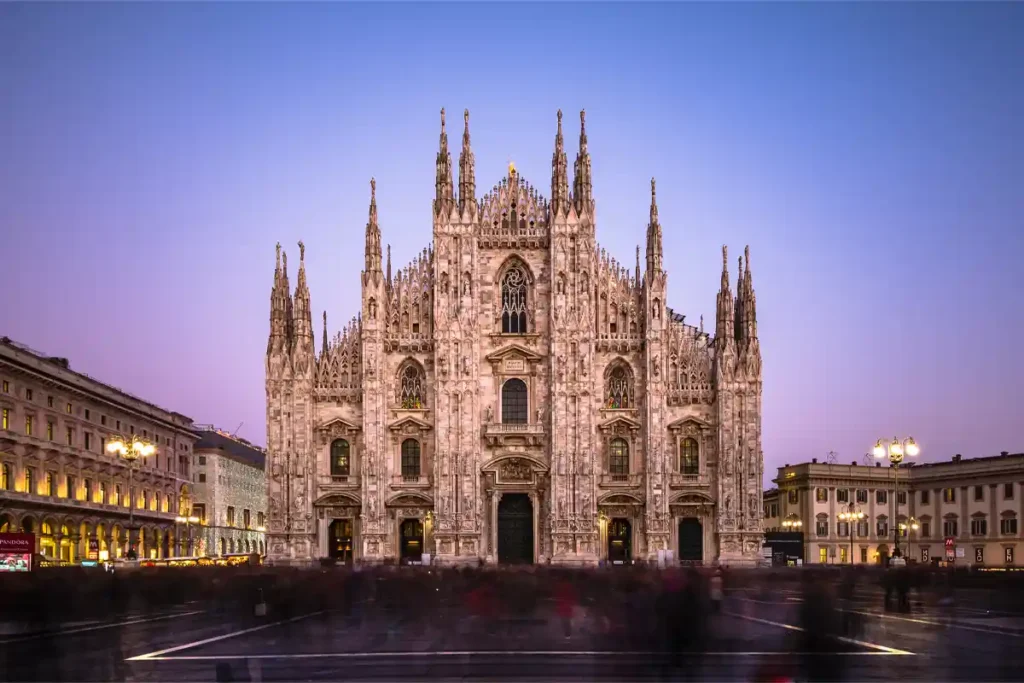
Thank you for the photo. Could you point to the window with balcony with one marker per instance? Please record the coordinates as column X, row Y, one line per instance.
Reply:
column 69, row 486
column 514, row 408
column 689, row 456
column 101, row 493
column 48, row 486
column 410, row 459
column 340, row 458
column 618, row 462
column 117, row 495
column 5, row 477
column 87, row 490
column 30, row 480
column 821, row 526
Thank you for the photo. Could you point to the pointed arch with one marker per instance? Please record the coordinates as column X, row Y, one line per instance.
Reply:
column 515, row 281
column 619, row 389
column 411, row 383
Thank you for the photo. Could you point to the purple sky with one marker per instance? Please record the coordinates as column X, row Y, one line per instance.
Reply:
column 872, row 155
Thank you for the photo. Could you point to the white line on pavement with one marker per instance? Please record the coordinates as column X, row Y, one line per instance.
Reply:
column 99, row 627
column 930, row 622
column 852, row 641
column 499, row 653
column 186, row 646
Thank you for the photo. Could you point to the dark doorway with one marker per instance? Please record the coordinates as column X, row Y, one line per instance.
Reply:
column 412, row 541
column 515, row 529
column 620, row 541
column 691, row 540
column 340, row 541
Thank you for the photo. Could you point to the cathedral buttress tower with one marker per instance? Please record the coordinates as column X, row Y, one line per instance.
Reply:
column 654, row 414
column 374, row 315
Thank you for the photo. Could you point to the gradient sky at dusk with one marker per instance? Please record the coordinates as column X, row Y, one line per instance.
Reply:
column 871, row 155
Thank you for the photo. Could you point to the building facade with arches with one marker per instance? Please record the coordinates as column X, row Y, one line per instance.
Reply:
column 514, row 394
column 57, row 480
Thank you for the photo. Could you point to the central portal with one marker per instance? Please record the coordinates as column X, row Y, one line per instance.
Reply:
column 515, row 529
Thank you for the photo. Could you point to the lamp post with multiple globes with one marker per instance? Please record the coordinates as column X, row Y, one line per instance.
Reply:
column 131, row 449
column 851, row 516
column 896, row 451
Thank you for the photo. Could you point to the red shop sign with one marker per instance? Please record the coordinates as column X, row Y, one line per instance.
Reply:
column 17, row 543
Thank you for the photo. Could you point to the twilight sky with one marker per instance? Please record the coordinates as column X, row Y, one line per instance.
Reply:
column 872, row 155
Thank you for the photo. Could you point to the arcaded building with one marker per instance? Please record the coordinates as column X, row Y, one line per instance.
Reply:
column 514, row 394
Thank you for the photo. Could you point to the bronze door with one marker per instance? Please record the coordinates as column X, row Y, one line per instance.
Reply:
column 620, row 537
column 412, row 541
column 515, row 529
column 340, row 540
column 691, row 540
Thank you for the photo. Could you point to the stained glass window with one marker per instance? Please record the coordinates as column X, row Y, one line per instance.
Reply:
column 689, row 457
column 513, row 302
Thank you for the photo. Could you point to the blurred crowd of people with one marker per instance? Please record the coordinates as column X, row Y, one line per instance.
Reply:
column 677, row 615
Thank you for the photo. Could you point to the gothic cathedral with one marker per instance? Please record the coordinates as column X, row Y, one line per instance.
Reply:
column 514, row 395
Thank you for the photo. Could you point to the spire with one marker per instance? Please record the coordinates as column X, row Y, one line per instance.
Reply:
column 583, row 190
column 278, row 308
column 654, row 249
column 724, row 317
column 373, row 233
column 746, row 319
column 738, row 301
column 302, row 321
column 467, row 169
column 559, row 174
column 443, row 187
column 389, row 265
column 638, row 265
column 286, row 297
column 323, row 348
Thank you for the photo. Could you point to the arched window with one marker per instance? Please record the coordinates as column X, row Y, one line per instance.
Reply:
column 411, row 388
column 619, row 390
column 339, row 458
column 5, row 478
column 689, row 457
column 513, row 302
column 514, row 409
column 618, row 462
column 411, row 459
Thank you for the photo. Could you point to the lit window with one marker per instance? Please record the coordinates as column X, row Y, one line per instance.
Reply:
column 28, row 425
column 7, row 418
column 7, row 387
column 821, row 495
column 49, row 430
column 68, row 409
column 689, row 456
column 823, row 555
column 949, row 495
column 339, row 458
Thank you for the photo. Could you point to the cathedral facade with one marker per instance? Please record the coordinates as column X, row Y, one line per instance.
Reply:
column 514, row 395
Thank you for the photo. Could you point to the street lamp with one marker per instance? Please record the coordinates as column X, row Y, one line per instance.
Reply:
column 188, row 522
column 895, row 451
column 851, row 517
column 131, row 449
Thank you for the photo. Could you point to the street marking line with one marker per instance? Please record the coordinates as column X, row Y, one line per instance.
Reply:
column 844, row 639
column 186, row 646
column 96, row 627
column 503, row 653
column 929, row 622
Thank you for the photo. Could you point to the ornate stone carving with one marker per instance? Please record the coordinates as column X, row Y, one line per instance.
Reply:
column 515, row 470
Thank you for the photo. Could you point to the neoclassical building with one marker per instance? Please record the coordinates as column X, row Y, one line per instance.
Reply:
column 58, row 481
column 514, row 394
